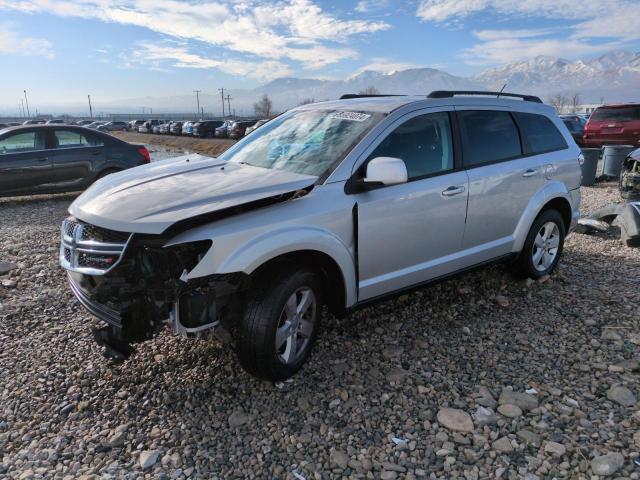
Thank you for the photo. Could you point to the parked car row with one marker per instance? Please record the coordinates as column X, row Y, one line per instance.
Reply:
column 235, row 129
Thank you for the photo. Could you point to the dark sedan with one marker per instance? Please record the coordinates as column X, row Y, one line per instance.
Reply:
column 237, row 129
column 205, row 128
column 60, row 158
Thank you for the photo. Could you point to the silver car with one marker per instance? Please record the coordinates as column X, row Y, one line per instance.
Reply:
column 334, row 204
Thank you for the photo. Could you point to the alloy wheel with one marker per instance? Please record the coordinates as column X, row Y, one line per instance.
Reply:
column 296, row 325
column 545, row 246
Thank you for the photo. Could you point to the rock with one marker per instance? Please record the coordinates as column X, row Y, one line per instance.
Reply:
column 386, row 475
column 529, row 437
column 636, row 439
column 237, row 419
column 502, row 301
column 339, row 459
column 608, row 464
column 621, row 395
column 116, row 440
column 502, row 445
column 485, row 398
column 6, row 267
column 523, row 400
column 610, row 334
column 7, row 283
column 456, row 420
column 148, row 458
column 396, row 375
column 509, row 410
column 555, row 448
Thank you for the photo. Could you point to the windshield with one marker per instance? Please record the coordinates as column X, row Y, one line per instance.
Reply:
column 307, row 142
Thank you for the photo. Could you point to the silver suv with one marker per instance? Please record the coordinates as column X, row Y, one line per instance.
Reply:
column 333, row 204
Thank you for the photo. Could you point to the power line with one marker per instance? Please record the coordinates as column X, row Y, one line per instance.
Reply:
column 197, row 92
column 27, row 102
column 221, row 90
column 229, row 103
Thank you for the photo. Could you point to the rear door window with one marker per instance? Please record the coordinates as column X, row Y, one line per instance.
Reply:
column 74, row 139
column 488, row 136
column 540, row 134
column 22, row 142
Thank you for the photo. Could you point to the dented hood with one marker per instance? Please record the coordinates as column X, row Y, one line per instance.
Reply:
column 152, row 197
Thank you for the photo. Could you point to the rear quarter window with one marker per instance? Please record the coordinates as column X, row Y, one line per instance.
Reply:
column 539, row 133
column 616, row 114
column 488, row 136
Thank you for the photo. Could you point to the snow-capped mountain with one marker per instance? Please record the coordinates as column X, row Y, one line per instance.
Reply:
column 420, row 81
column 614, row 76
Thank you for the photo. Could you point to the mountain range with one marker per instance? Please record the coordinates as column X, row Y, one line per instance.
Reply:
column 612, row 77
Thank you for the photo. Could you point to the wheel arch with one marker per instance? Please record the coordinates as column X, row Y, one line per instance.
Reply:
column 312, row 246
column 553, row 196
column 321, row 263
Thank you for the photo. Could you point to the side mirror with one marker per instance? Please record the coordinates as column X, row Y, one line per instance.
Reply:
column 385, row 171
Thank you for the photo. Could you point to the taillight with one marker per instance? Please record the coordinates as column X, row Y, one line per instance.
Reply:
column 145, row 154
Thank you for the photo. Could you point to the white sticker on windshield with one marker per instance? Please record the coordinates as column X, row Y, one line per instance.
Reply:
column 353, row 116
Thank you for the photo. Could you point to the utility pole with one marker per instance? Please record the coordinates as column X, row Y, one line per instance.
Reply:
column 221, row 90
column 27, row 102
column 90, row 108
column 229, row 103
column 197, row 92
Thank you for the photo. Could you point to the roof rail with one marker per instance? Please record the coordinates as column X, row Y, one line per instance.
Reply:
column 348, row 96
column 453, row 93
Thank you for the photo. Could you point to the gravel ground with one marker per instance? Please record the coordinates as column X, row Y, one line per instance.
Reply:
column 433, row 384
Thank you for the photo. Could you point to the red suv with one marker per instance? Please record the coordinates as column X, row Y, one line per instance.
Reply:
column 613, row 125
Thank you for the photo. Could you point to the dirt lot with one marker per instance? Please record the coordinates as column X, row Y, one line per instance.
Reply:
column 371, row 402
column 158, row 144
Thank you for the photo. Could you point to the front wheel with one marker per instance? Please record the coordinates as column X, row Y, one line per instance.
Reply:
column 280, row 324
column 543, row 246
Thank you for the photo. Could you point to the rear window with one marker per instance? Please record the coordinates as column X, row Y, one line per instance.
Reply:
column 488, row 136
column 618, row 114
column 540, row 133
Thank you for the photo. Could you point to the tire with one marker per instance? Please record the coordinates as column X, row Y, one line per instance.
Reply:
column 547, row 236
column 266, row 313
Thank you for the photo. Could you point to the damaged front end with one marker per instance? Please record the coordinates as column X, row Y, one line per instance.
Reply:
column 136, row 285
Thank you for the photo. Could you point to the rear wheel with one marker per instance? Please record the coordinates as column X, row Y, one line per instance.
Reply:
column 280, row 324
column 543, row 246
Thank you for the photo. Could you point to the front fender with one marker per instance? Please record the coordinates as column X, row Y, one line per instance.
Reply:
column 247, row 256
column 549, row 192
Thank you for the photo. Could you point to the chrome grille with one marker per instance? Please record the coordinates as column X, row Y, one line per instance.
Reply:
column 91, row 249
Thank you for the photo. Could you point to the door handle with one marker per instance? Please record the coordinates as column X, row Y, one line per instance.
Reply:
column 43, row 159
column 530, row 172
column 453, row 190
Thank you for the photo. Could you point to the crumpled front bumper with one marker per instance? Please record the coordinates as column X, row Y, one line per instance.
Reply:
column 102, row 312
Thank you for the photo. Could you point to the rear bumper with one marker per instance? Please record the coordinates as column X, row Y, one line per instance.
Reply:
column 598, row 142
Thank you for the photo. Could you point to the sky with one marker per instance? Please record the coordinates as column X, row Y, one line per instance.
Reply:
column 62, row 50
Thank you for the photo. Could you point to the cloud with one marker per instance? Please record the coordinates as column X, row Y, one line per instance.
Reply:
column 294, row 30
column 586, row 25
column 177, row 56
column 385, row 65
column 13, row 44
column 365, row 6
column 498, row 49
